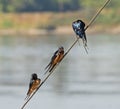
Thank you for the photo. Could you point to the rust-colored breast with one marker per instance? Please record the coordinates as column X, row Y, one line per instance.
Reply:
column 34, row 86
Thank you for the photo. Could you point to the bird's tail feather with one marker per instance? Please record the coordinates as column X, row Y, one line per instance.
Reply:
column 52, row 68
column 85, row 44
column 48, row 68
column 27, row 97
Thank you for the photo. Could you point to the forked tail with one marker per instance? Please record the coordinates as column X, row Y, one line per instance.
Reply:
column 85, row 44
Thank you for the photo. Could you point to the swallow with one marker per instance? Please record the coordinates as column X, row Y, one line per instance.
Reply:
column 33, row 85
column 79, row 28
column 56, row 58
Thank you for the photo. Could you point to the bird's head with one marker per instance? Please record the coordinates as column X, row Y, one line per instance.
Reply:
column 34, row 76
column 61, row 48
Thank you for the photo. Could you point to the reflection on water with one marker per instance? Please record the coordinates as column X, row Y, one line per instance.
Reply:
column 80, row 80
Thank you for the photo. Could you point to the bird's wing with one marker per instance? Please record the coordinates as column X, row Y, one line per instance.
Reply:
column 53, row 57
column 30, row 85
column 75, row 26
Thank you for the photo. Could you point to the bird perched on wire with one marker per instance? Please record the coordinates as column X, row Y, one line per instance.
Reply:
column 33, row 85
column 79, row 29
column 56, row 58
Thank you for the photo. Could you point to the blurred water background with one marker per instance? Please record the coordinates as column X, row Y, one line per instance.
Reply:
column 86, row 81
column 31, row 31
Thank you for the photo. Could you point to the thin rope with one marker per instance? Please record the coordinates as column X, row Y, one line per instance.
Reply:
column 92, row 20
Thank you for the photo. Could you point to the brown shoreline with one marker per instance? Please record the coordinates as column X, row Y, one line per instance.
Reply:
column 60, row 31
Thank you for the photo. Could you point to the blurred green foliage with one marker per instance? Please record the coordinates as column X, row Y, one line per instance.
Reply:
column 38, row 5
column 61, row 13
column 7, row 24
column 51, row 5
